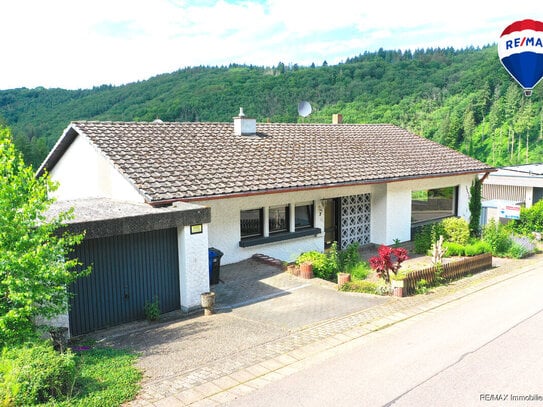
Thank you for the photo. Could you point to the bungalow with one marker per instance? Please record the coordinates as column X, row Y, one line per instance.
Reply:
column 273, row 188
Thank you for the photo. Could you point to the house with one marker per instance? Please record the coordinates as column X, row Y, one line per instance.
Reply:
column 273, row 188
column 519, row 184
column 508, row 189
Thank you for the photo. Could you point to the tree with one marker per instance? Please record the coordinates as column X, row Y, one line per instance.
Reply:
column 35, row 267
column 475, row 207
column 389, row 260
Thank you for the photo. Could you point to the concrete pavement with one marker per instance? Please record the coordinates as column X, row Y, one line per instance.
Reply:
column 185, row 364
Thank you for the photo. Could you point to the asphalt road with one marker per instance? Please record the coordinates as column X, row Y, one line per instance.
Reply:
column 478, row 351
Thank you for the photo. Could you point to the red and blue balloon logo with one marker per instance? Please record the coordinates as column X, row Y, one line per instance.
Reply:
column 521, row 52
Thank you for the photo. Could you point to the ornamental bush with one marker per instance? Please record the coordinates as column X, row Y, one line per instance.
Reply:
column 322, row 266
column 388, row 260
column 327, row 265
column 456, row 230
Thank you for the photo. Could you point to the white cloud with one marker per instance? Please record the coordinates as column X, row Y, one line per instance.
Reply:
column 82, row 43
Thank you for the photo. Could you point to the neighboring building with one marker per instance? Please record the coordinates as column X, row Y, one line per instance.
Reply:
column 520, row 184
column 275, row 189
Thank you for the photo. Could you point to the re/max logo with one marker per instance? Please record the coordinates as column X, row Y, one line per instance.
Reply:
column 525, row 41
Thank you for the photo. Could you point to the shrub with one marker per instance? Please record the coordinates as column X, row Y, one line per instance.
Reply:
column 478, row 247
column 362, row 286
column 498, row 237
column 425, row 236
column 454, row 249
column 531, row 219
column 422, row 286
column 35, row 373
column 323, row 267
column 517, row 251
column 388, row 260
column 327, row 265
column 456, row 230
column 475, row 207
column 360, row 271
column 349, row 257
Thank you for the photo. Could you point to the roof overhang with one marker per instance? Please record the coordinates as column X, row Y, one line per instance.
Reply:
column 58, row 150
column 102, row 217
column 165, row 202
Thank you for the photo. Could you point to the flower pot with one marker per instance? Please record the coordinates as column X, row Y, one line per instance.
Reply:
column 207, row 300
column 342, row 278
column 306, row 270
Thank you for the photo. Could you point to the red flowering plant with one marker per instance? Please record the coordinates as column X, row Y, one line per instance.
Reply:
column 389, row 260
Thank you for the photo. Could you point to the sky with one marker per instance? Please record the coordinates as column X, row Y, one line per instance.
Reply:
column 79, row 44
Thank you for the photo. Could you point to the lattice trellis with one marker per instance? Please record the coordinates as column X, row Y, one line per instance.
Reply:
column 355, row 219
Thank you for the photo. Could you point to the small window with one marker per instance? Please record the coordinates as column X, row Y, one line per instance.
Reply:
column 304, row 216
column 279, row 219
column 251, row 223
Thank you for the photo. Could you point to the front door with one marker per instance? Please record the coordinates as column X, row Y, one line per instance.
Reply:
column 331, row 234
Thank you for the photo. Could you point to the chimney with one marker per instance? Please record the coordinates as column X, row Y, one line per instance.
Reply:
column 243, row 126
column 337, row 118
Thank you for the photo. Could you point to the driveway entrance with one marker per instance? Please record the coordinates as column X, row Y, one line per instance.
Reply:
column 255, row 304
column 264, row 293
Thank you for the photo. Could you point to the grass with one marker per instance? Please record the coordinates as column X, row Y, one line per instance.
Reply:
column 106, row 377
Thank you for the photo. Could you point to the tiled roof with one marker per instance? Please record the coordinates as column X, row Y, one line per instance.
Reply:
column 169, row 161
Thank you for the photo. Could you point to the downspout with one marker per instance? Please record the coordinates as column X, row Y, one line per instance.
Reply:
column 484, row 176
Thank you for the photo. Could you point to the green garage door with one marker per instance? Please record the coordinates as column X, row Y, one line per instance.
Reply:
column 127, row 271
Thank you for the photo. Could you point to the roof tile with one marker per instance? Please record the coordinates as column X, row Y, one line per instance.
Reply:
column 169, row 161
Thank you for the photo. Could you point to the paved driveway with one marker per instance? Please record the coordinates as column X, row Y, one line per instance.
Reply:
column 255, row 304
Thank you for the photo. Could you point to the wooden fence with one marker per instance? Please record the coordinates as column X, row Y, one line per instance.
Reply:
column 450, row 271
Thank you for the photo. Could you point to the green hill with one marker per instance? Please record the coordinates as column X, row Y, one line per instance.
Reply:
column 461, row 98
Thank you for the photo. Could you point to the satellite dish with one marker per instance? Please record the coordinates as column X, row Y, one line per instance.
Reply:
column 304, row 108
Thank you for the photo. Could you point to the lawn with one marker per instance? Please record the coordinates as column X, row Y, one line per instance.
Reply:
column 106, row 377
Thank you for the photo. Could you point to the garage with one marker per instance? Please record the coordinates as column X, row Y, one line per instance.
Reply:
column 127, row 271
column 136, row 253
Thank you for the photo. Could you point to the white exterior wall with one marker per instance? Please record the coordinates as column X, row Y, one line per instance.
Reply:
column 390, row 215
column 83, row 172
column 193, row 266
column 225, row 234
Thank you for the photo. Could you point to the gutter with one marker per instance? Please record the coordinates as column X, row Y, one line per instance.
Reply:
column 167, row 202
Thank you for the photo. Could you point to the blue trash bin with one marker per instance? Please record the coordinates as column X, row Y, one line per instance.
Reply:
column 214, row 256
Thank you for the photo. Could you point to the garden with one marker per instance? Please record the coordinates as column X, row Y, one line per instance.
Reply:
column 440, row 253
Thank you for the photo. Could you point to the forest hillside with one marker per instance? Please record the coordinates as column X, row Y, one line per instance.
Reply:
column 460, row 98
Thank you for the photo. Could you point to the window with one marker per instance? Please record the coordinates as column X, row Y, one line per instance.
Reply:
column 433, row 204
column 279, row 219
column 251, row 223
column 254, row 231
column 303, row 216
